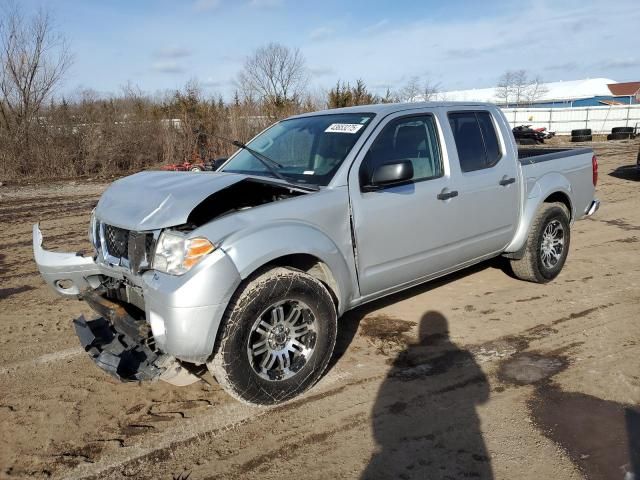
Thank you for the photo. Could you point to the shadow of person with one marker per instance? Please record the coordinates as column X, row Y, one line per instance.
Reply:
column 424, row 420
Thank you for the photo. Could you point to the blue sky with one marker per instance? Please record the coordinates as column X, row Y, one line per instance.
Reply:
column 161, row 44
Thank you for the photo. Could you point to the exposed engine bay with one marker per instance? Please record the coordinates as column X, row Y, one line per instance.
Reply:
column 247, row 193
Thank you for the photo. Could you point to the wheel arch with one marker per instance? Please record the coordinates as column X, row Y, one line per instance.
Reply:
column 561, row 197
column 301, row 247
column 553, row 187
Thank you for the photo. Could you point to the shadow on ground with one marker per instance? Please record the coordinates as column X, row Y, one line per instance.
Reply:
column 627, row 172
column 350, row 321
column 424, row 419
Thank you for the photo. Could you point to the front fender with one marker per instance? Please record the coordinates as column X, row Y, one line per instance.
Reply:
column 255, row 249
column 541, row 190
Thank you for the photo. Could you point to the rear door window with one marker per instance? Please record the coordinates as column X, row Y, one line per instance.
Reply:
column 476, row 140
column 490, row 138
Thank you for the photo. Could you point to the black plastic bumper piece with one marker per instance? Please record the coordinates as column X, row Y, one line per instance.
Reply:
column 124, row 357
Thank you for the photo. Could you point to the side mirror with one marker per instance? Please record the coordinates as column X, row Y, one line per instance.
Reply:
column 390, row 174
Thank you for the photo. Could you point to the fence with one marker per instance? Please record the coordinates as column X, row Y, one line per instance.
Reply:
column 563, row 120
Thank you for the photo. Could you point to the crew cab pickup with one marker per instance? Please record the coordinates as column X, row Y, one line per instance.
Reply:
column 247, row 270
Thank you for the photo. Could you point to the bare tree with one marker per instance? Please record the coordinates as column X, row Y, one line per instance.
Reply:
column 535, row 90
column 519, row 85
column 504, row 89
column 274, row 74
column 410, row 90
column 33, row 60
column 517, row 88
column 415, row 90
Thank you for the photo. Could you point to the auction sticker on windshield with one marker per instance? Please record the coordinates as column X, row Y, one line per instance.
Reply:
column 343, row 128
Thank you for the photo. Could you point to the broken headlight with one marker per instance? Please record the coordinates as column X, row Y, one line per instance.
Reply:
column 176, row 254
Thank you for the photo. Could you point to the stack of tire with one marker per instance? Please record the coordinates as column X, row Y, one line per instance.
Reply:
column 581, row 135
column 621, row 133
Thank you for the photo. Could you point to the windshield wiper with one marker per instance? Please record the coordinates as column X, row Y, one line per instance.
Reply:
column 269, row 163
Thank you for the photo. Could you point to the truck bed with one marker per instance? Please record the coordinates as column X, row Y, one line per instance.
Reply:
column 528, row 156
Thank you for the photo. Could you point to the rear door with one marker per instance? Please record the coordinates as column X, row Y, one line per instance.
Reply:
column 487, row 183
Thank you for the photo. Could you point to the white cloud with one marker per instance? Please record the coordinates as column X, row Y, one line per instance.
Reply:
column 173, row 52
column 321, row 33
column 213, row 83
column 622, row 63
column 376, row 26
column 205, row 5
column 266, row 3
column 168, row 66
column 322, row 71
column 472, row 52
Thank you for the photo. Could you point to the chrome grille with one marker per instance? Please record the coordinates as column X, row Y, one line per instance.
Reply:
column 117, row 241
column 126, row 248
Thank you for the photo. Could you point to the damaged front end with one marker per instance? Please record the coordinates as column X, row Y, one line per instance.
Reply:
column 121, row 343
column 120, row 340
column 159, row 284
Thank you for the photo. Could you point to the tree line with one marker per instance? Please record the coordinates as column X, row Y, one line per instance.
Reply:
column 45, row 135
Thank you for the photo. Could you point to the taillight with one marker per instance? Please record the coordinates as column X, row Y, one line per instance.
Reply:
column 594, row 167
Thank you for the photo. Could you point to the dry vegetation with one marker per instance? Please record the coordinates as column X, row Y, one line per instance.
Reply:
column 43, row 134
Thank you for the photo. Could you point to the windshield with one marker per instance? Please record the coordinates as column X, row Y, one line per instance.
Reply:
column 308, row 149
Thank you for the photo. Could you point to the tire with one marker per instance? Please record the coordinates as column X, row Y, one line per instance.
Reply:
column 526, row 141
column 534, row 266
column 610, row 137
column 255, row 345
column 581, row 132
column 621, row 136
column 195, row 169
column 622, row 130
column 583, row 138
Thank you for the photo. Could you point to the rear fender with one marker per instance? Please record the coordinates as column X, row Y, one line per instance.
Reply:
column 538, row 193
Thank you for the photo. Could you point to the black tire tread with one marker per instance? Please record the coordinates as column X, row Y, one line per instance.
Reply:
column 526, row 268
column 582, row 138
column 239, row 301
column 580, row 132
column 620, row 136
column 622, row 130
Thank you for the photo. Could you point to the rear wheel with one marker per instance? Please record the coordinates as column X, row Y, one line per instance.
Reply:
column 547, row 245
column 195, row 169
column 276, row 338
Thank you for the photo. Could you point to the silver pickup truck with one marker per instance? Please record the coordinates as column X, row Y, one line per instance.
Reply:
column 247, row 270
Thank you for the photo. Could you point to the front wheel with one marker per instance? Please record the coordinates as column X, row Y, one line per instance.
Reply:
column 276, row 338
column 547, row 245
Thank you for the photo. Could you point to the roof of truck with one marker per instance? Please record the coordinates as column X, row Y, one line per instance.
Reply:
column 387, row 108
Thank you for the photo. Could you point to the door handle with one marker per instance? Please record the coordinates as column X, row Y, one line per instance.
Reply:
column 507, row 181
column 443, row 195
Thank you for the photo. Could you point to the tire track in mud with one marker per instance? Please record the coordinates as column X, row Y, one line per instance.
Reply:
column 492, row 351
column 43, row 359
column 19, row 216
column 189, row 432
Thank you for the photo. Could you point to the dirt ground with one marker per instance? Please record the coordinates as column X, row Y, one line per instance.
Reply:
column 477, row 375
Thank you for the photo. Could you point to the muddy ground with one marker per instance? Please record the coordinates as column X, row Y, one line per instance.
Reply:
column 477, row 375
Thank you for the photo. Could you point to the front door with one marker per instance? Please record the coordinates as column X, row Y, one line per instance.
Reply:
column 404, row 232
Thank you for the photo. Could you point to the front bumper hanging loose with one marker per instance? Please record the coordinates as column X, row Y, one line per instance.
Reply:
column 123, row 357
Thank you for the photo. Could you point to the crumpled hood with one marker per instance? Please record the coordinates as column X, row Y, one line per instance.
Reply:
column 154, row 200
